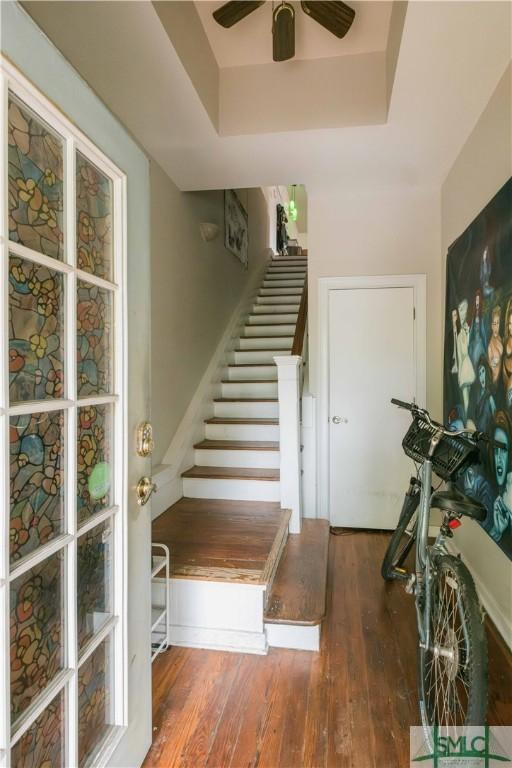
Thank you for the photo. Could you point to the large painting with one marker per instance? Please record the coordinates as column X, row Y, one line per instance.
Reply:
column 478, row 355
column 236, row 227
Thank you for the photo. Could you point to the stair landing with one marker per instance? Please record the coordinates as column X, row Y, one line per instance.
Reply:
column 298, row 595
column 223, row 540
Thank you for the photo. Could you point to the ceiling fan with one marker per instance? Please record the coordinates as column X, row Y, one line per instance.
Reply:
column 334, row 15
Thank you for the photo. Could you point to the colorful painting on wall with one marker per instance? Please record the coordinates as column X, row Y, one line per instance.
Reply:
column 478, row 355
column 236, row 227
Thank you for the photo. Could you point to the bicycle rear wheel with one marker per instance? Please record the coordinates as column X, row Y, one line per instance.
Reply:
column 452, row 672
column 403, row 538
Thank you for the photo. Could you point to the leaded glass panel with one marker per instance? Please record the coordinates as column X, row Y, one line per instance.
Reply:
column 94, row 701
column 94, row 460
column 36, row 331
column 36, row 481
column 94, row 328
column 37, row 652
column 94, row 583
column 36, row 187
column 42, row 746
column 93, row 219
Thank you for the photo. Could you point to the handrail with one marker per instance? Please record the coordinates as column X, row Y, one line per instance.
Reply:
column 300, row 328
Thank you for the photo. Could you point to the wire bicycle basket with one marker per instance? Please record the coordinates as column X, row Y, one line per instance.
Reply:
column 451, row 455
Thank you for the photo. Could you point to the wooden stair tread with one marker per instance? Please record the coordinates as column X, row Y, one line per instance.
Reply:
column 267, row 322
column 238, row 445
column 253, row 365
column 268, row 336
column 223, row 540
column 239, row 349
column 229, row 420
column 232, row 473
column 249, row 381
column 245, row 400
column 298, row 594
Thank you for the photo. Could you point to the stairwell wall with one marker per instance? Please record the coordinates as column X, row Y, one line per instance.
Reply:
column 196, row 287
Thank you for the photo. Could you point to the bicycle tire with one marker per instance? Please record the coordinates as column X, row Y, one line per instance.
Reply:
column 398, row 547
column 462, row 679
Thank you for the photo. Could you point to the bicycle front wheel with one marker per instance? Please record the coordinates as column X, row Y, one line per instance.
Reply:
column 452, row 672
column 403, row 538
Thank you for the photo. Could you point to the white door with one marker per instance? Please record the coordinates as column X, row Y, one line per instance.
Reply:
column 371, row 360
column 74, row 562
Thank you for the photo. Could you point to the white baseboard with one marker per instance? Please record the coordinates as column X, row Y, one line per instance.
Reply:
column 220, row 639
column 293, row 636
column 494, row 611
column 180, row 454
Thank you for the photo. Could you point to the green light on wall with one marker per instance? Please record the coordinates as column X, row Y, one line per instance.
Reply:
column 293, row 212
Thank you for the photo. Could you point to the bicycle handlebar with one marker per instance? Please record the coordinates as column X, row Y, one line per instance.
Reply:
column 474, row 435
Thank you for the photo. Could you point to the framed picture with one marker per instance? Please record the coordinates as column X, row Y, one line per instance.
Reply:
column 478, row 355
column 236, row 227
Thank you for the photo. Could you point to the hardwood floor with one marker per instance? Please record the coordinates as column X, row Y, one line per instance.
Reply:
column 223, row 540
column 299, row 588
column 350, row 705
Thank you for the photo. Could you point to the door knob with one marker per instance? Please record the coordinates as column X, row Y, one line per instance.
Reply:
column 339, row 420
column 145, row 487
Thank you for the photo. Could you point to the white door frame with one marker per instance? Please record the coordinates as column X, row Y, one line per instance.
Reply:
column 325, row 285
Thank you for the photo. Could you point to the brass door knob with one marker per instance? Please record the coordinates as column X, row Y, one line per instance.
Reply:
column 145, row 487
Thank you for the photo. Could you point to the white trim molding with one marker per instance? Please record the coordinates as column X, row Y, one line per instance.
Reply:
column 326, row 284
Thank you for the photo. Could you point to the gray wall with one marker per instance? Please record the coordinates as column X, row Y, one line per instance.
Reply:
column 482, row 167
column 195, row 287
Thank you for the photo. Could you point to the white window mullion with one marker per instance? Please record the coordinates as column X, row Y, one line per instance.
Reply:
column 5, row 724
column 71, row 434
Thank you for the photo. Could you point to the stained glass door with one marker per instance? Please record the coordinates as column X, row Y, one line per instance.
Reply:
column 62, row 429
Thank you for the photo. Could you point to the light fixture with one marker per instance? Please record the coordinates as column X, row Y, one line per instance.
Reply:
column 208, row 231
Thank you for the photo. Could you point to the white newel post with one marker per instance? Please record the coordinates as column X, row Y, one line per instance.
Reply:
column 288, row 379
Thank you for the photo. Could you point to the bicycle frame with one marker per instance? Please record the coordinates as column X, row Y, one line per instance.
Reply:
column 423, row 551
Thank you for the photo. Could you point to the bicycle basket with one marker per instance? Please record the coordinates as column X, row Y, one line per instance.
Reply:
column 451, row 455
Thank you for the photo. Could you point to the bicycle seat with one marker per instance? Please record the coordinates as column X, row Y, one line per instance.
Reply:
column 453, row 500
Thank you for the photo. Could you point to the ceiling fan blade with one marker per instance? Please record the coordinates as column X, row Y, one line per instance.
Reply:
column 334, row 15
column 234, row 11
column 283, row 32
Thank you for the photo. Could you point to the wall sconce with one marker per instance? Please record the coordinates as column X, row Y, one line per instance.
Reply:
column 208, row 231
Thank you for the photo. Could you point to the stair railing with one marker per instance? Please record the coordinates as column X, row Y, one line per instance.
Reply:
column 289, row 385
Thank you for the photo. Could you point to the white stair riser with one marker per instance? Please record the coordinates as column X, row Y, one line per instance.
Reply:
column 246, row 389
column 283, row 283
column 247, row 410
column 243, row 490
column 260, row 459
column 288, row 263
column 285, row 275
column 254, row 372
column 278, row 317
column 278, row 300
column 276, row 342
column 258, row 355
column 269, row 330
column 280, row 291
column 265, row 309
column 242, row 432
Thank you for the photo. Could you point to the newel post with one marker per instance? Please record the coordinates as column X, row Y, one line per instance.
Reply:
column 288, row 382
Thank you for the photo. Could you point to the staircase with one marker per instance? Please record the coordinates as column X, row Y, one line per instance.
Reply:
column 239, row 457
column 236, row 584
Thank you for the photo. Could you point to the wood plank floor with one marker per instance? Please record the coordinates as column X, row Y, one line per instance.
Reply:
column 222, row 540
column 349, row 705
column 299, row 589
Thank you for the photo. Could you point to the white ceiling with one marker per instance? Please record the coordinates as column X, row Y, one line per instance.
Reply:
column 250, row 41
column 451, row 58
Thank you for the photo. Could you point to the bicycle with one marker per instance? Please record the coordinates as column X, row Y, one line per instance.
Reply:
column 452, row 657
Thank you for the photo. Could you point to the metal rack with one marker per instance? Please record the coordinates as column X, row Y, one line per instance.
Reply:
column 160, row 614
